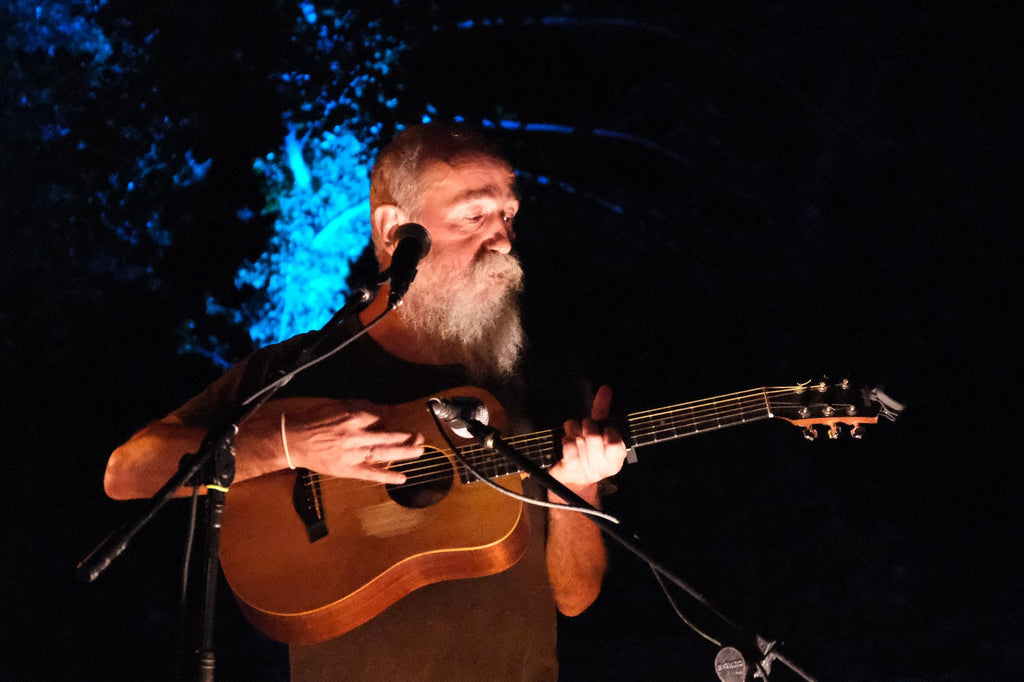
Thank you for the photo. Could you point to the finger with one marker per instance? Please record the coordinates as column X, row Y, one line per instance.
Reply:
column 602, row 404
column 570, row 451
column 359, row 420
column 580, row 460
column 597, row 455
column 369, row 439
column 572, row 429
column 590, row 427
column 614, row 452
column 592, row 437
column 612, row 436
column 381, row 453
column 594, row 442
column 348, row 421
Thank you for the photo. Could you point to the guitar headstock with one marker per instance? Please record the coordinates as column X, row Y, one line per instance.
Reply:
column 832, row 405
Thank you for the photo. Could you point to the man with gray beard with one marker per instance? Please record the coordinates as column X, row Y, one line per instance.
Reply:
column 459, row 324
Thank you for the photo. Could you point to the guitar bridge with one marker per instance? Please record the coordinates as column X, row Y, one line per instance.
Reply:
column 308, row 503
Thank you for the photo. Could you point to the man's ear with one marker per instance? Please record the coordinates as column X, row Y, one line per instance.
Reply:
column 386, row 219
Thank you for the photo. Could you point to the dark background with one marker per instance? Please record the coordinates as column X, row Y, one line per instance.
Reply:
column 803, row 191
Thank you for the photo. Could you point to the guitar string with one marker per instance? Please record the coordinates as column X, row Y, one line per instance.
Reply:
column 727, row 396
column 439, row 461
column 540, row 442
column 639, row 426
column 545, row 437
column 430, row 463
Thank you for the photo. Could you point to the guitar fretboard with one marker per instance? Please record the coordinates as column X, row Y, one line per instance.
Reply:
column 700, row 416
column 641, row 428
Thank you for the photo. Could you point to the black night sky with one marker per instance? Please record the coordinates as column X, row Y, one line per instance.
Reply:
column 794, row 190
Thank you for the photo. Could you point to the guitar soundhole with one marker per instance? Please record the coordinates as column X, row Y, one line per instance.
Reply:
column 427, row 480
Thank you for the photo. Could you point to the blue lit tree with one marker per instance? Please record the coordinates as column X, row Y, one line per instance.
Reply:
column 317, row 189
column 317, row 184
column 90, row 165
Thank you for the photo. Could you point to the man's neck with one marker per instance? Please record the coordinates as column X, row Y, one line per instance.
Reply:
column 397, row 338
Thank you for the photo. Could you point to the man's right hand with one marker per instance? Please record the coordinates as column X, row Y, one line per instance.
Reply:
column 336, row 438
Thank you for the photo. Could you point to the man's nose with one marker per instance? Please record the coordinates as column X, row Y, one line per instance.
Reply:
column 501, row 238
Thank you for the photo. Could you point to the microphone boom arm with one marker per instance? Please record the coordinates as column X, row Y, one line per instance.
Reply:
column 491, row 438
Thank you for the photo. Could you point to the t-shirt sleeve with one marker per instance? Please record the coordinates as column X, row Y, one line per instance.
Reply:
column 221, row 398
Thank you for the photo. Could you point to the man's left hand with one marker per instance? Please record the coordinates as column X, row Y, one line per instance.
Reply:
column 590, row 452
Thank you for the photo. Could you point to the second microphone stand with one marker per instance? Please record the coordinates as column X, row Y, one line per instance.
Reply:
column 732, row 664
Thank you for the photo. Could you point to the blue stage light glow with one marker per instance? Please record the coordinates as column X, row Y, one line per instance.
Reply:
column 308, row 11
column 319, row 189
column 317, row 183
column 46, row 26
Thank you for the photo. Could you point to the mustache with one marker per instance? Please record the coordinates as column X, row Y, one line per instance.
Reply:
column 501, row 265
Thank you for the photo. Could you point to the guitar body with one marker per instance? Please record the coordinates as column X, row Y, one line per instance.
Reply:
column 376, row 550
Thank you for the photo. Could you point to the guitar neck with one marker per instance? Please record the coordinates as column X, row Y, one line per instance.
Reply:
column 640, row 428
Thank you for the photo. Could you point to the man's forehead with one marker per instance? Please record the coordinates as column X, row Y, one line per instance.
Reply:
column 470, row 177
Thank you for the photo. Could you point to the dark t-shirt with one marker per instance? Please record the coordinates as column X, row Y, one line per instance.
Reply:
column 495, row 627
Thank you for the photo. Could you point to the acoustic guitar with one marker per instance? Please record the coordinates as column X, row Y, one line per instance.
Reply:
column 310, row 557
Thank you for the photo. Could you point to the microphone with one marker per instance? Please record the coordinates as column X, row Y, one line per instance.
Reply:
column 458, row 411
column 413, row 244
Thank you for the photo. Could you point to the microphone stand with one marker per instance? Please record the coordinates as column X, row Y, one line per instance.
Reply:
column 213, row 465
column 732, row 664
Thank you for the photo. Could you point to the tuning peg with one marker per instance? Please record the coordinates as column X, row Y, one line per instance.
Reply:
column 857, row 432
column 810, row 433
column 834, row 431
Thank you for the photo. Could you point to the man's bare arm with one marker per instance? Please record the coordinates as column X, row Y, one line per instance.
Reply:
column 576, row 554
column 327, row 436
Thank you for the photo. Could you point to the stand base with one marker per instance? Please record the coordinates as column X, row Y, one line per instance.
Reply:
column 730, row 666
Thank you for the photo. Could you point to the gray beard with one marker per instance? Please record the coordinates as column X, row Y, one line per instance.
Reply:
column 471, row 316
